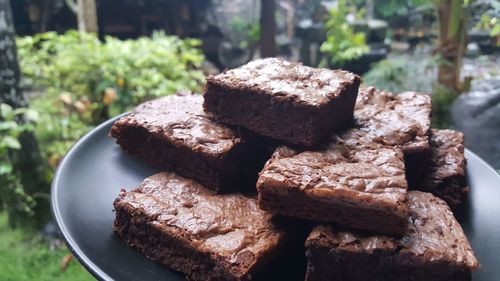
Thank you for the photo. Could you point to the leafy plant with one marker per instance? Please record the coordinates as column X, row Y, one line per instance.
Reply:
column 115, row 73
column 442, row 99
column 387, row 75
column 14, row 199
column 79, row 81
column 490, row 20
column 394, row 75
column 342, row 43
column 389, row 8
column 249, row 30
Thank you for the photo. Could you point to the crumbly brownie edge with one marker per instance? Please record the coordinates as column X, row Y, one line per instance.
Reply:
column 291, row 202
column 172, row 249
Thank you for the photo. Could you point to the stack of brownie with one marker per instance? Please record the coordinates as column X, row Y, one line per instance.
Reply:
column 274, row 148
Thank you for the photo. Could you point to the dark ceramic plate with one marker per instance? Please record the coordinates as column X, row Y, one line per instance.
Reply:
column 92, row 173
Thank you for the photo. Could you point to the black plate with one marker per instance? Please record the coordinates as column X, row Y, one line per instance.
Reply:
column 92, row 173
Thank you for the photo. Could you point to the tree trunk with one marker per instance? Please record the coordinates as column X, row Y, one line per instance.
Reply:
column 452, row 41
column 267, row 28
column 27, row 161
column 9, row 67
column 87, row 16
column 86, row 13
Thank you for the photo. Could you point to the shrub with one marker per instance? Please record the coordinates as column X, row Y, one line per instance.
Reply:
column 18, row 204
column 78, row 81
column 395, row 75
column 342, row 44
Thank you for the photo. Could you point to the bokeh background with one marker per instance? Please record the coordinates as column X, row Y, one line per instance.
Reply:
column 68, row 65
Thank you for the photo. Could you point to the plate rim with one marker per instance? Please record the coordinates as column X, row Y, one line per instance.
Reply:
column 74, row 248
column 77, row 251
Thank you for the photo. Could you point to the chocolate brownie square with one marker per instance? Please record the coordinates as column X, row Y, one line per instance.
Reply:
column 433, row 248
column 283, row 100
column 174, row 133
column 188, row 228
column 402, row 120
column 445, row 174
column 356, row 184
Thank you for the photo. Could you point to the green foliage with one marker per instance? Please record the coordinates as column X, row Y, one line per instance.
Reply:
column 387, row 75
column 442, row 98
column 392, row 7
column 342, row 43
column 249, row 30
column 396, row 76
column 14, row 199
column 85, row 81
column 27, row 256
column 404, row 8
column 389, row 8
column 136, row 70
column 490, row 20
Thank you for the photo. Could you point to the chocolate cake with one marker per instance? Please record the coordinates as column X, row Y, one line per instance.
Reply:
column 283, row 100
column 188, row 228
column 402, row 120
column 433, row 248
column 350, row 182
column 445, row 175
column 175, row 133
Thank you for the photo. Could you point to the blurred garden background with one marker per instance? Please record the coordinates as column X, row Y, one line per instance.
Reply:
column 68, row 65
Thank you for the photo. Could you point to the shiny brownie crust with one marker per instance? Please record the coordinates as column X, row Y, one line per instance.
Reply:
column 434, row 248
column 174, row 133
column 349, row 182
column 283, row 100
column 402, row 120
column 190, row 229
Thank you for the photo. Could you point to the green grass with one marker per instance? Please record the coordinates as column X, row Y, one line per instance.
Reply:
column 26, row 256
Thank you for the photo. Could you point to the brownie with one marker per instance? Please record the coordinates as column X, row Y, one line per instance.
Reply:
column 356, row 184
column 174, row 133
column 402, row 120
column 434, row 248
column 189, row 228
column 445, row 174
column 283, row 100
